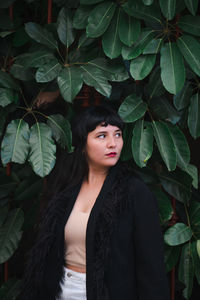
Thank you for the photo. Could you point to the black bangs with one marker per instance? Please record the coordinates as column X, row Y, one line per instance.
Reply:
column 88, row 119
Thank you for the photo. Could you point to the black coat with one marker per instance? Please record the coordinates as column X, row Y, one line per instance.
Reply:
column 124, row 244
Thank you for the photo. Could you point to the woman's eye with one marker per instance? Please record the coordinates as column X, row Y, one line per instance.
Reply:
column 101, row 136
column 118, row 134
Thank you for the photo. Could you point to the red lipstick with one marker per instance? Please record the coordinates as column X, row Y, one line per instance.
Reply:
column 111, row 154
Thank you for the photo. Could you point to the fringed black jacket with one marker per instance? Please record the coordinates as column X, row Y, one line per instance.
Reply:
column 124, row 244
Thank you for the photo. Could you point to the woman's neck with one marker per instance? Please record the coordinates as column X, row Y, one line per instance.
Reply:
column 96, row 175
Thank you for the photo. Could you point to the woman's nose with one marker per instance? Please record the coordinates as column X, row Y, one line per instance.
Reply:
column 111, row 142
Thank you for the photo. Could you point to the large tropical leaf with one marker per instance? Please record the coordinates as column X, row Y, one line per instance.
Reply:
column 15, row 144
column 153, row 47
column 132, row 108
column 70, row 82
column 7, row 96
column 81, row 16
column 190, row 49
column 100, row 19
column 198, row 247
column 61, row 130
column 129, row 29
column 7, row 184
column 177, row 184
column 192, row 5
column 177, row 234
column 142, row 142
column 181, row 146
column 165, row 144
column 162, row 109
column 194, row 116
column 194, row 215
column 43, row 149
column 114, row 70
column 186, row 270
column 48, row 72
column 34, row 59
column 138, row 47
column 112, row 45
column 20, row 72
column 29, row 188
column 164, row 204
column 155, row 86
column 193, row 172
column 95, row 77
column 41, row 35
column 10, row 234
column 65, row 28
column 142, row 65
column 10, row 289
column 3, row 214
column 171, row 256
column 7, row 81
column 190, row 24
column 196, row 259
column 182, row 99
column 138, row 10
column 172, row 68
column 168, row 8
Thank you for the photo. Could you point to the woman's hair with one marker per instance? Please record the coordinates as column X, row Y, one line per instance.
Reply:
column 70, row 168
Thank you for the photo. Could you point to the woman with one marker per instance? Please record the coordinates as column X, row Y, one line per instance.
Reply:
column 101, row 237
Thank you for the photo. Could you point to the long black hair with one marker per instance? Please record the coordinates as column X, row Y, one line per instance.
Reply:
column 72, row 167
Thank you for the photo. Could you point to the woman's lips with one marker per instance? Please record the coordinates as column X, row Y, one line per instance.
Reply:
column 111, row 154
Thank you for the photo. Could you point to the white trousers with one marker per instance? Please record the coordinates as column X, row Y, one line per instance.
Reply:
column 73, row 286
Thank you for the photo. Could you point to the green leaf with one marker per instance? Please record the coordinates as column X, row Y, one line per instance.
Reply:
column 190, row 24
column 34, row 59
column 85, row 41
column 10, row 289
column 161, row 107
column 100, row 19
column 147, row 2
column 171, row 256
column 43, row 149
column 129, row 29
column 165, row 144
column 168, row 8
column 61, row 130
column 194, row 215
column 65, row 28
column 10, row 234
column 196, row 259
column 7, row 81
column 192, row 6
column 111, row 43
column 172, row 68
column 15, row 144
column 138, row 10
column 141, row 66
column 41, row 35
column 88, row 2
column 153, row 47
column 70, row 82
column 164, row 205
column 177, row 184
column 132, row 108
column 186, row 270
column 6, row 97
column 198, row 247
column 193, row 172
column 7, row 184
column 81, row 16
column 137, row 49
column 155, row 86
column 114, row 70
column 177, row 234
column 190, row 49
column 20, row 72
column 142, row 143
column 95, row 77
column 48, row 72
column 182, row 99
column 3, row 214
column 194, row 116
column 181, row 146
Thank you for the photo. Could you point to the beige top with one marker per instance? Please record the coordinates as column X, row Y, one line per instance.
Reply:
column 75, row 235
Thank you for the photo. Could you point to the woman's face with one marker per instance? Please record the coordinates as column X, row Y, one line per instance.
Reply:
column 103, row 146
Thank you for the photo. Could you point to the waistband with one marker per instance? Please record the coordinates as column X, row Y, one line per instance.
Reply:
column 71, row 273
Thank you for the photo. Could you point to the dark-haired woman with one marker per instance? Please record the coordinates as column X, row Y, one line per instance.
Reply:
column 100, row 238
